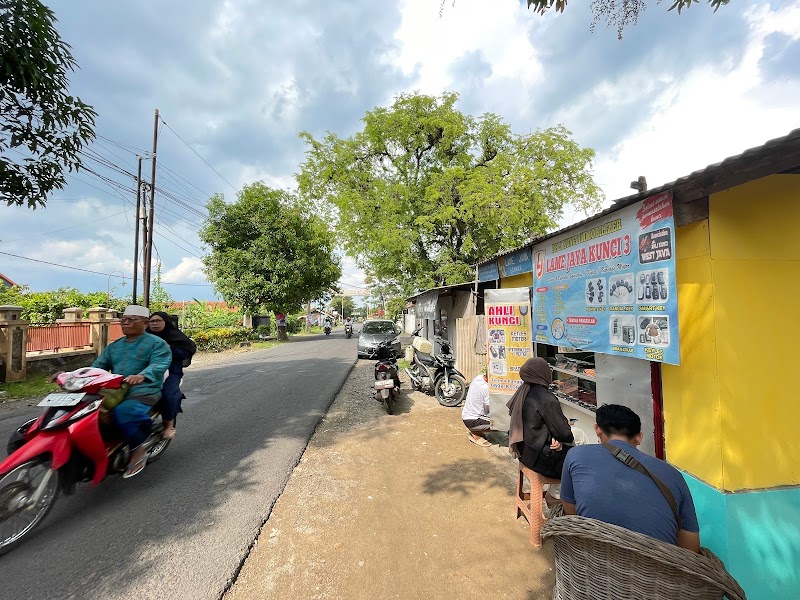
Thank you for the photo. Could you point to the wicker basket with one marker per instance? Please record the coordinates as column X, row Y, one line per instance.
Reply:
column 596, row 560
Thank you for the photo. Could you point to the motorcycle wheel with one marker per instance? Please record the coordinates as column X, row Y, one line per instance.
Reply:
column 389, row 402
column 17, row 519
column 160, row 446
column 450, row 393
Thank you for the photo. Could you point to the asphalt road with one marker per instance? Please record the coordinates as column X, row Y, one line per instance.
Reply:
column 183, row 527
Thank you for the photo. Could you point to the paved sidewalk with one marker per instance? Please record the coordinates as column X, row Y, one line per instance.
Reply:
column 400, row 506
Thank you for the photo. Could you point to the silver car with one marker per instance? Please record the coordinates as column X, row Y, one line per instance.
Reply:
column 375, row 331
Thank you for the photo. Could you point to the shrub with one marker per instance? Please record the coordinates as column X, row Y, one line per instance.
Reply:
column 221, row 338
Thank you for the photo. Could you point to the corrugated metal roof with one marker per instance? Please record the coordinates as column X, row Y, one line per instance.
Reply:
column 446, row 288
column 789, row 141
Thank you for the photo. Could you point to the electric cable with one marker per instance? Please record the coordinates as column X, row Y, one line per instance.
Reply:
column 198, row 154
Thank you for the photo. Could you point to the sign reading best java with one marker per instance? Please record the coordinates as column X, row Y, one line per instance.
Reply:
column 610, row 287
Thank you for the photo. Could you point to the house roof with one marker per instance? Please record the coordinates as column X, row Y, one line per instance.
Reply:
column 8, row 281
column 779, row 155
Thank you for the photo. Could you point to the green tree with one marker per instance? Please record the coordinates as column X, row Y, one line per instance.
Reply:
column 615, row 13
column 268, row 252
column 344, row 304
column 40, row 122
column 160, row 300
column 46, row 307
column 423, row 191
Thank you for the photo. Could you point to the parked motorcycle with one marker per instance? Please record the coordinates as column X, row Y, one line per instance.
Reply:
column 387, row 378
column 436, row 373
column 72, row 441
column 348, row 330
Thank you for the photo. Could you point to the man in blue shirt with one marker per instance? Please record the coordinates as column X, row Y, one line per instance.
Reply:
column 595, row 484
column 143, row 358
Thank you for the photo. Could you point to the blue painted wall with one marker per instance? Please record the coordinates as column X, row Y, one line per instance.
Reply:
column 756, row 534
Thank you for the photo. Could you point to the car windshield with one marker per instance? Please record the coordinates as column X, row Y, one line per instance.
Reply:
column 378, row 327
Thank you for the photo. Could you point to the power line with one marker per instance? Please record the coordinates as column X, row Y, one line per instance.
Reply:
column 198, row 155
column 94, row 272
column 186, row 180
column 128, row 147
column 62, row 229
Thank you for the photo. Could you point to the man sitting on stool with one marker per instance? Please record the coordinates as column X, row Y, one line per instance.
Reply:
column 475, row 413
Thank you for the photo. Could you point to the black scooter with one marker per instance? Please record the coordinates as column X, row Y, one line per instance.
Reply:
column 348, row 330
column 387, row 379
column 436, row 373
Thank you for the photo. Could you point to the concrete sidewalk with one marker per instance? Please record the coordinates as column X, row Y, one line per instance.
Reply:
column 400, row 506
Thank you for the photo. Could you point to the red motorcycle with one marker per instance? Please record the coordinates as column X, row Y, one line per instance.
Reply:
column 73, row 441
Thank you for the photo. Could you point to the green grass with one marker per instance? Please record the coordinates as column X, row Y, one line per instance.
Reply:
column 403, row 364
column 265, row 345
column 35, row 385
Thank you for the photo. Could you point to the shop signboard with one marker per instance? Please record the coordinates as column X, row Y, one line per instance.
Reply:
column 488, row 272
column 609, row 287
column 508, row 336
column 517, row 263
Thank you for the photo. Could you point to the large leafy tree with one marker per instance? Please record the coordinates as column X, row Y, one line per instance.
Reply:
column 615, row 13
column 42, row 127
column 268, row 252
column 423, row 191
column 344, row 304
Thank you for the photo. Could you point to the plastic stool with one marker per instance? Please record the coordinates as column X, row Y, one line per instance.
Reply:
column 529, row 504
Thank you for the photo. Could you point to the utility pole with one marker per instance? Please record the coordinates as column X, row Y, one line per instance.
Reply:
column 136, row 237
column 148, row 260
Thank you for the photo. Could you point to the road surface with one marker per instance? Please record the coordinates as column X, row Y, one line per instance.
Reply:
column 182, row 528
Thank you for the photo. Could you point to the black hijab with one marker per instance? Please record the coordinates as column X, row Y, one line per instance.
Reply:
column 172, row 335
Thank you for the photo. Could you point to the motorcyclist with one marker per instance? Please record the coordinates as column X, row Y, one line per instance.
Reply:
column 143, row 359
column 328, row 323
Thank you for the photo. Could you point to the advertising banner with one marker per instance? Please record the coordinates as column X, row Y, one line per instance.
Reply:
column 610, row 286
column 509, row 345
column 516, row 264
column 488, row 272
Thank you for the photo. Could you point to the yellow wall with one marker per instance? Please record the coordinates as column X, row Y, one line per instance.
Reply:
column 516, row 281
column 731, row 408
column 692, row 430
column 755, row 249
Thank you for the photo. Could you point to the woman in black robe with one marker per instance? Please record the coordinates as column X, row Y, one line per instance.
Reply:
column 183, row 349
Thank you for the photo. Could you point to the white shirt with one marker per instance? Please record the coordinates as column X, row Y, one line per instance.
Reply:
column 477, row 403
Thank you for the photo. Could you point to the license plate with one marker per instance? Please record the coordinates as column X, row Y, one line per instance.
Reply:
column 62, row 399
column 384, row 384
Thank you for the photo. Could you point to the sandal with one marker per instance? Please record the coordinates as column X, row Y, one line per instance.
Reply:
column 168, row 433
column 135, row 468
column 480, row 441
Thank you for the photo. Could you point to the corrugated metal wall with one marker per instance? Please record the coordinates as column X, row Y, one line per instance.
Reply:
column 467, row 361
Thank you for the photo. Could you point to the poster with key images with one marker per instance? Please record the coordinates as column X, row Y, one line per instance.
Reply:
column 609, row 286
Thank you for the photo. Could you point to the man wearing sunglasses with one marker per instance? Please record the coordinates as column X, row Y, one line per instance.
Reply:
column 143, row 359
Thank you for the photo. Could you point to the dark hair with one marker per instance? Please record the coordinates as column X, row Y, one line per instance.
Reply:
column 614, row 419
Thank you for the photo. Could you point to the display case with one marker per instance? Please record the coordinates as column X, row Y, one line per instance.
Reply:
column 574, row 376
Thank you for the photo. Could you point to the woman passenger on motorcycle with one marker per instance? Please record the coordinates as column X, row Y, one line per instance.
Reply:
column 183, row 349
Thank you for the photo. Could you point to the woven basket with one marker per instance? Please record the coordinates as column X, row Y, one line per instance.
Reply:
column 597, row 560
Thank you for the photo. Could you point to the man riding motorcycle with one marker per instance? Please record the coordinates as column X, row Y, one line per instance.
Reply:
column 142, row 358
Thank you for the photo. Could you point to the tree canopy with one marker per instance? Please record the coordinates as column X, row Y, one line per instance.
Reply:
column 267, row 252
column 344, row 304
column 40, row 122
column 615, row 13
column 423, row 191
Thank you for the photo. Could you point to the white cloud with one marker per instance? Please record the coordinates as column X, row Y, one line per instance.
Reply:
column 707, row 116
column 190, row 270
column 499, row 29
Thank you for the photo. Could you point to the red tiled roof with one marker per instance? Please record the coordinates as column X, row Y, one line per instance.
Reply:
column 8, row 281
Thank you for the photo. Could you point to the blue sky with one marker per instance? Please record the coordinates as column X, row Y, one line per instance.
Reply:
column 238, row 79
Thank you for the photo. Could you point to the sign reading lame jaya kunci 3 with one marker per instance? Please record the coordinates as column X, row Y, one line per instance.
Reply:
column 610, row 287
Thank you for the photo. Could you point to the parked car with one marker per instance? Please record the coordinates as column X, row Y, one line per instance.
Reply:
column 375, row 331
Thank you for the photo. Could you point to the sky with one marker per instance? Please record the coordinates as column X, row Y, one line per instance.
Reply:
column 235, row 81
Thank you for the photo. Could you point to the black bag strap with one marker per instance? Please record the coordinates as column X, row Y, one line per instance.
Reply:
column 629, row 461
